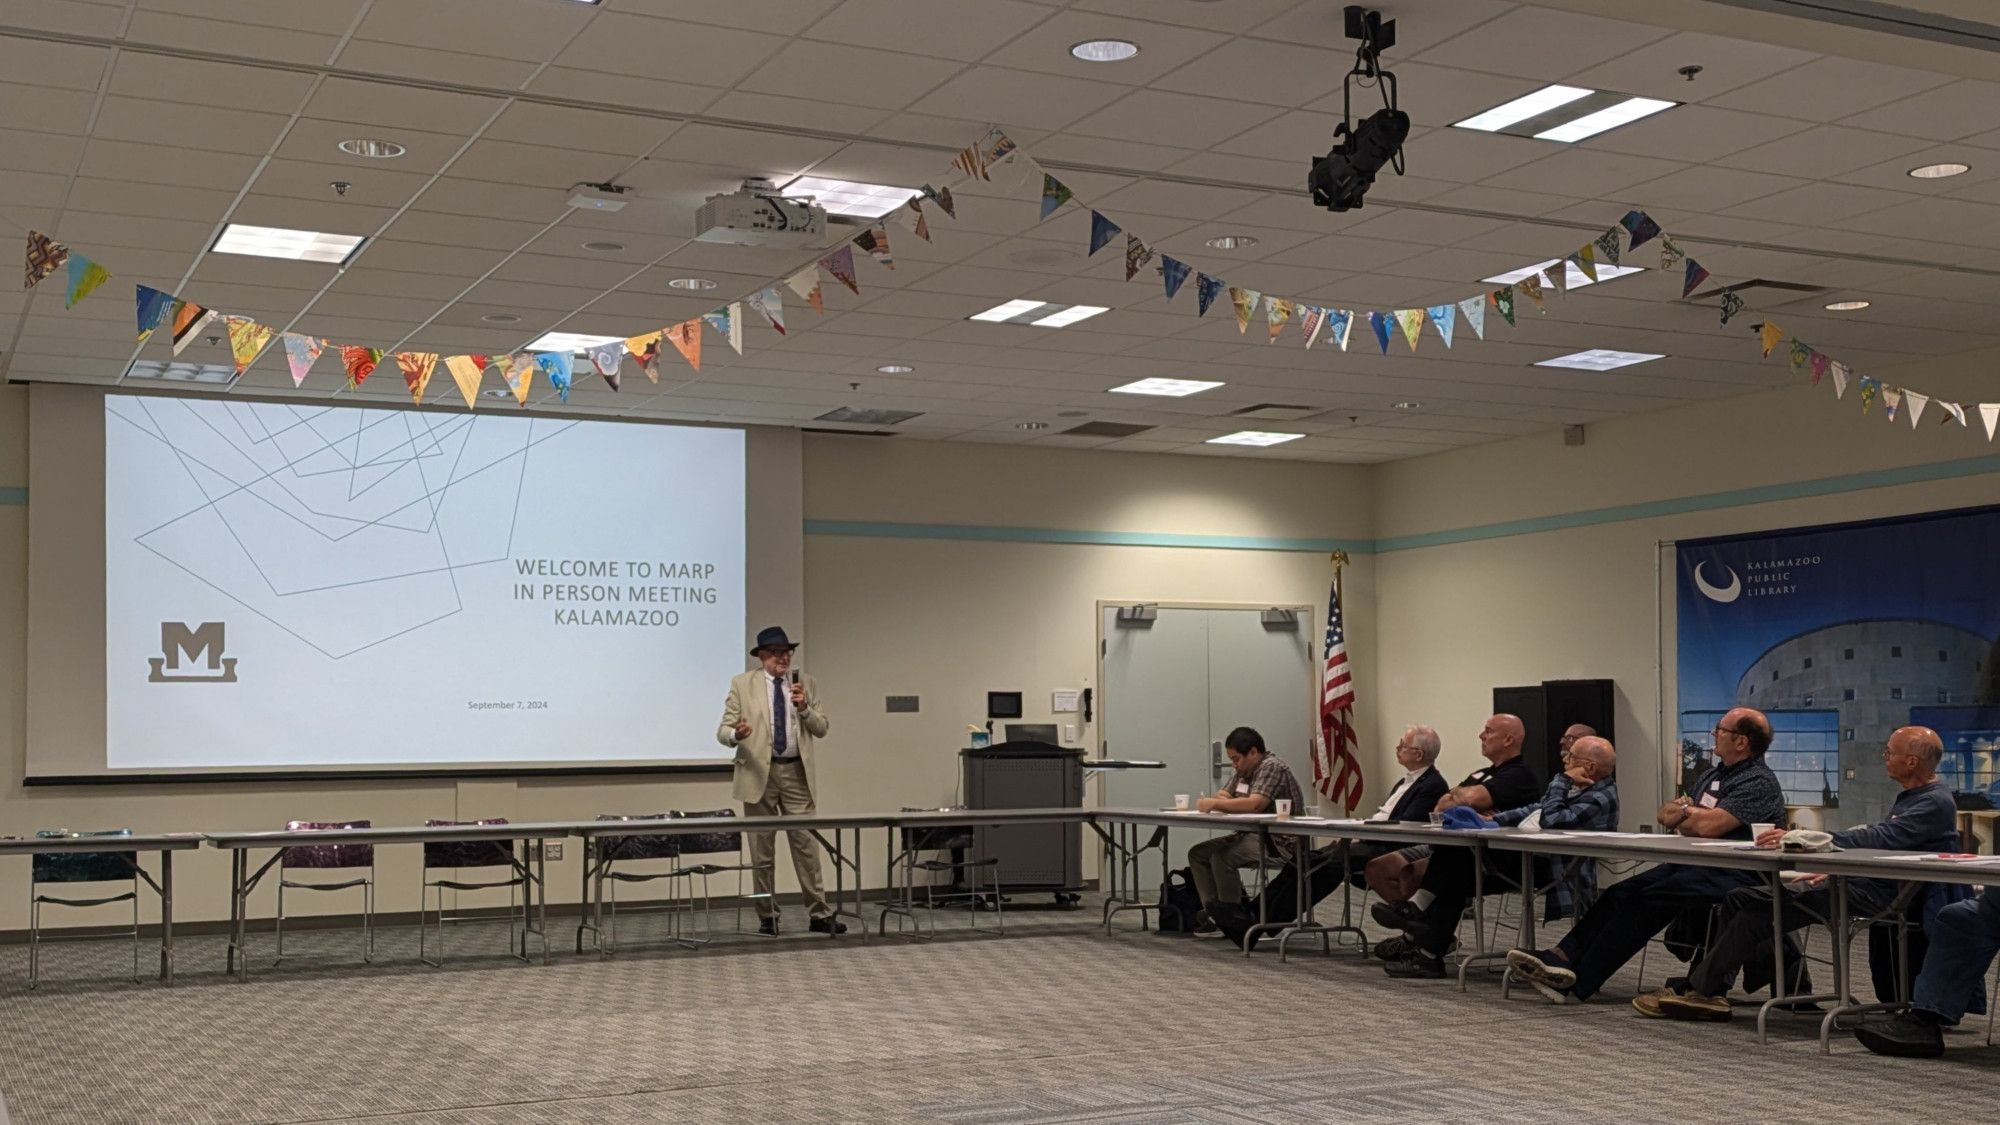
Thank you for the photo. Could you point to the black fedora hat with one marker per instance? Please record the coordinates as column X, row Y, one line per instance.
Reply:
column 774, row 637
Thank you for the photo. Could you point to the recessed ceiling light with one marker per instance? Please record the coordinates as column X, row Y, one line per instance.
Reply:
column 1104, row 50
column 501, row 318
column 569, row 342
column 845, row 197
column 895, row 369
column 1231, row 241
column 604, row 247
column 181, row 372
column 1254, row 437
column 1410, row 405
column 1042, row 314
column 1573, row 275
column 1166, row 388
column 1939, row 171
column 1599, row 359
column 1564, row 113
column 697, row 284
column 1846, row 306
column 372, row 148
column 1031, row 425
column 278, row 242
column 497, row 392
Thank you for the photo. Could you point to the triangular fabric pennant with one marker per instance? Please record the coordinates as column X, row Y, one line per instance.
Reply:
column 1245, row 302
column 1137, row 254
column 188, row 320
column 1839, row 372
column 466, row 371
column 942, row 197
column 913, row 214
column 1380, row 323
column 1102, row 230
column 804, row 282
column 1819, row 362
column 686, row 337
column 1892, row 397
column 1953, row 413
column 717, row 319
column 1206, row 290
column 559, row 369
column 767, row 302
column 1473, row 309
column 1445, row 317
column 1503, row 299
column 1769, row 334
column 1412, row 322
column 1174, row 273
column 417, row 369
column 45, row 256
column 971, row 162
column 1869, row 389
column 1607, row 246
column 1586, row 260
column 1640, row 226
column 301, row 352
column 1532, row 286
column 840, row 264
column 518, row 372
column 1054, row 194
column 608, row 359
column 1312, row 320
column 876, row 242
column 1339, row 322
column 246, row 340
column 85, row 276
column 817, row 298
column 1694, row 276
column 1670, row 253
column 1277, row 312
column 1731, row 305
column 646, row 349
column 1917, row 403
column 360, row 364
column 1799, row 354
column 736, row 326
column 153, row 307
column 1989, row 413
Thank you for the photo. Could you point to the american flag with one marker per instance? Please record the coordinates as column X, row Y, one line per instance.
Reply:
column 1336, row 771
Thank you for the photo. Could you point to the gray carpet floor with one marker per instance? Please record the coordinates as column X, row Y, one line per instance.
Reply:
column 1054, row 1022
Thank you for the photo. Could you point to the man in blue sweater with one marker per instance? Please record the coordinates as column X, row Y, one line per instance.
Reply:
column 1923, row 819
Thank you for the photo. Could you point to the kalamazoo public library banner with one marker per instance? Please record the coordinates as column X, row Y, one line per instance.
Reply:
column 1841, row 634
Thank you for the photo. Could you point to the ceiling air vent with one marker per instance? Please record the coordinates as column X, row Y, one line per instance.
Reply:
column 846, row 433
column 863, row 416
column 1778, row 290
column 1107, row 429
column 1274, row 412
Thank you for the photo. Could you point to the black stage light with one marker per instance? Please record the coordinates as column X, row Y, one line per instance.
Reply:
column 1339, row 181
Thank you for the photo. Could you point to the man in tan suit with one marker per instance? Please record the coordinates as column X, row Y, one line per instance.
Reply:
column 772, row 718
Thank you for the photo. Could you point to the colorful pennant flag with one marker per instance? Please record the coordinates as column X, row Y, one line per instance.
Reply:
column 1174, row 273
column 1693, row 278
column 1839, row 372
column 729, row 322
column 1731, row 305
column 1799, row 354
column 1206, row 290
column 1953, row 413
column 1586, row 261
column 1245, row 301
column 971, row 162
column 1670, row 253
column 1869, row 387
column 1503, row 299
column 1474, row 311
column 189, row 319
column 942, row 197
column 518, row 372
column 466, row 371
column 1137, row 254
column 913, row 214
column 246, row 340
column 1989, row 413
column 767, row 302
column 1412, row 322
column 998, row 147
column 608, row 359
column 876, row 242
column 1640, row 226
column 559, row 369
column 153, row 308
column 646, row 349
column 1445, row 317
column 1380, row 323
column 1607, row 246
column 417, row 369
column 840, row 264
column 1917, row 403
column 1312, row 320
column 686, row 337
column 45, row 256
column 1054, row 194
column 1102, row 230
column 1819, row 363
column 806, row 284
column 85, row 276
column 301, row 352
column 1277, row 312
column 1339, row 322
column 1532, row 286
column 1770, row 334
column 1892, row 397
column 360, row 363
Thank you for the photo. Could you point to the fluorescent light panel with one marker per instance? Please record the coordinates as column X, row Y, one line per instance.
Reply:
column 1565, row 114
column 278, row 242
column 1166, row 388
column 569, row 342
column 1258, row 438
column 1599, row 359
column 1544, row 100
column 1573, row 277
column 845, row 197
column 180, row 372
column 1605, row 120
column 1041, row 314
column 1069, row 316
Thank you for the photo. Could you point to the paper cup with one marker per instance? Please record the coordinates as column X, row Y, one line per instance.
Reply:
column 1284, row 808
column 1180, row 802
column 1758, row 830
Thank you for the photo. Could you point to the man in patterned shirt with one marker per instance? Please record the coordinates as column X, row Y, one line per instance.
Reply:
column 1260, row 782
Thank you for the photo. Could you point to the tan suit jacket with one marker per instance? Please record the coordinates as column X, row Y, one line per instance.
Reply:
column 750, row 702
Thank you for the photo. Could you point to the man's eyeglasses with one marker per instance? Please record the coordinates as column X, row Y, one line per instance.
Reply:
column 1722, row 730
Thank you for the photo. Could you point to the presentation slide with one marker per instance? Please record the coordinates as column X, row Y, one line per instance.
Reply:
column 309, row 587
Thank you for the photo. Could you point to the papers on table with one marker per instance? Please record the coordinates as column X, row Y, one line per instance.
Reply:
column 1732, row 845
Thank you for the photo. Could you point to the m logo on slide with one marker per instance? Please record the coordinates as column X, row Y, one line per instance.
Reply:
column 177, row 640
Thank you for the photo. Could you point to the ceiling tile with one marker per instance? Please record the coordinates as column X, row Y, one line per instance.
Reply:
column 951, row 29
column 1158, row 117
column 1539, row 43
column 882, row 79
column 1726, row 63
column 1012, row 97
column 1946, row 113
column 1258, row 70
column 1829, row 89
column 1162, row 47
column 685, row 52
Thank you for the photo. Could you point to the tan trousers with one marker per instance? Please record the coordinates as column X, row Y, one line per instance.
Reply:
column 1214, row 863
column 786, row 795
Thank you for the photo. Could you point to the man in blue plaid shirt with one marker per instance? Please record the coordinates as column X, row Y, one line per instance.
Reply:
column 1583, row 796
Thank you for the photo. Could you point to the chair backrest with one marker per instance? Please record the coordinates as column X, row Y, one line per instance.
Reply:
column 466, row 853
column 83, row 867
column 328, row 855
column 638, row 847
column 702, row 843
column 941, row 838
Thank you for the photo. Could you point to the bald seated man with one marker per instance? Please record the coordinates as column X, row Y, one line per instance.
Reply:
column 1569, row 736
column 1924, row 818
column 1583, row 796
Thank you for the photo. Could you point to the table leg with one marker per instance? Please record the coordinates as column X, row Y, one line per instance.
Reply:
column 542, row 895
column 1526, row 933
column 583, row 895
column 167, row 918
column 1481, row 954
column 239, row 866
column 1305, row 922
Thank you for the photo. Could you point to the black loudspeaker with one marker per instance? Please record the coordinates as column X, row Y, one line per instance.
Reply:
column 1549, row 708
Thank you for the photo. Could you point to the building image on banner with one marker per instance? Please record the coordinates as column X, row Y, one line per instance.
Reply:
column 1841, row 634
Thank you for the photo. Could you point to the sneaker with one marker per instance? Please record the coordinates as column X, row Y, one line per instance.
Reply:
column 1648, row 1003
column 1695, row 1006
column 768, row 927
column 1394, row 915
column 1542, row 967
column 1910, row 1035
column 1392, row 948
column 827, row 925
column 1417, row 966
column 1207, row 930
column 1550, row 993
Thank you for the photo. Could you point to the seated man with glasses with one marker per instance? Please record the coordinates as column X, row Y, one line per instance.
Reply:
column 1740, row 791
column 1923, row 819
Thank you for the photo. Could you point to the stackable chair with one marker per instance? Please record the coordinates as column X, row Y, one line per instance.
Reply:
column 722, row 845
column 462, row 855
column 610, row 851
column 952, row 842
column 67, row 869
column 302, row 858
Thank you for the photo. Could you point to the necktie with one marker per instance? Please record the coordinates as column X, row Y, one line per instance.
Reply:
column 778, row 723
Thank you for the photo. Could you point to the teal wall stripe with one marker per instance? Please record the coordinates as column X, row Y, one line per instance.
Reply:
column 876, row 530
column 13, row 497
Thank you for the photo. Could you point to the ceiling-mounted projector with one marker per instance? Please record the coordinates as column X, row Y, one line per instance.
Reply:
column 757, row 215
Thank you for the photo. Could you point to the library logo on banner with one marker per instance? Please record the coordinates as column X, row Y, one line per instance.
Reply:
column 201, row 645
column 1714, row 593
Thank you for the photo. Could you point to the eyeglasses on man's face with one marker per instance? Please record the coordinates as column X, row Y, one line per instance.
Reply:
column 1722, row 730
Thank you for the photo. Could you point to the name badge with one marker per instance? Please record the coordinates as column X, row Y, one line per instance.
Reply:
column 1242, row 789
column 1707, row 801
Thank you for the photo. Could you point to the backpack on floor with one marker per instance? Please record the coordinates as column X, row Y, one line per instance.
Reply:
column 1178, row 902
